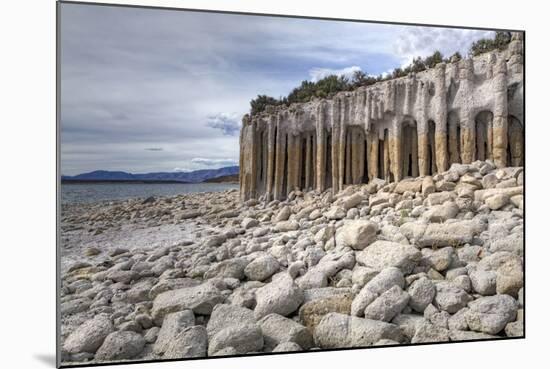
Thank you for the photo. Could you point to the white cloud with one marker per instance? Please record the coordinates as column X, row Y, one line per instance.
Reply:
column 138, row 80
column 423, row 41
column 205, row 163
column 228, row 123
column 317, row 74
column 208, row 162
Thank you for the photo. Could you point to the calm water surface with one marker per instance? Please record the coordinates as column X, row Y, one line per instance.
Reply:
column 94, row 192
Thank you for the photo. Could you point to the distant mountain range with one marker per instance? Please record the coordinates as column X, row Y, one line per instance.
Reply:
column 184, row 177
column 233, row 178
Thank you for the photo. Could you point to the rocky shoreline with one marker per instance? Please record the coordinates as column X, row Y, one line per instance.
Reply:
column 429, row 259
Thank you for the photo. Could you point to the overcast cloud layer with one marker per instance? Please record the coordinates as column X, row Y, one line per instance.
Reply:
column 160, row 90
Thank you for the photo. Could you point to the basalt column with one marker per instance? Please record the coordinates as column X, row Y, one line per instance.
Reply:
column 395, row 133
column 410, row 150
column 424, row 153
column 384, row 154
column 453, row 136
column 308, row 163
column 484, row 135
column 347, row 162
column 341, row 157
column 372, row 155
column 365, row 154
column 253, row 159
column 241, row 160
column 432, row 151
column 500, row 118
column 342, row 143
column 414, row 152
column 280, row 161
column 328, row 159
column 313, row 161
column 467, row 122
column 440, row 116
column 321, row 157
column 515, row 50
column 515, row 142
column 293, row 163
column 335, row 145
column 261, row 158
column 271, row 147
column 357, row 155
column 395, row 147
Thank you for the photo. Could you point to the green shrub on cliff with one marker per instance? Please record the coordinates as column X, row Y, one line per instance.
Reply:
column 332, row 84
column 398, row 72
column 360, row 78
column 323, row 88
column 434, row 59
column 259, row 104
column 499, row 42
column 418, row 65
column 457, row 56
column 302, row 93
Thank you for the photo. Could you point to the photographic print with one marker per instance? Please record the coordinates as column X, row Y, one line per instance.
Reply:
column 238, row 184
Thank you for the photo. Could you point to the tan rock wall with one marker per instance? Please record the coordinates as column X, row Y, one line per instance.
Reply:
column 457, row 112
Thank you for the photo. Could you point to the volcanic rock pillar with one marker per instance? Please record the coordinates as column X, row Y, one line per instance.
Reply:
column 335, row 145
column 247, row 166
column 358, row 156
column 270, row 156
column 440, row 102
column 342, row 145
column 293, row 163
column 467, row 119
column 372, row 155
column 308, row 163
column 280, row 154
column 396, row 154
column 321, row 157
column 500, row 115
column 250, row 160
column 423, row 154
column 348, row 164
column 453, row 132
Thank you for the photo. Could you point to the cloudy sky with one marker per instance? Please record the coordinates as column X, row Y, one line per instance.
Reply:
column 147, row 90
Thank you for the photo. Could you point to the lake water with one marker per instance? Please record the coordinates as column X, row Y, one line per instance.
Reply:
column 94, row 192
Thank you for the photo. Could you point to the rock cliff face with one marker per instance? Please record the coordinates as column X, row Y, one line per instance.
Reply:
column 418, row 125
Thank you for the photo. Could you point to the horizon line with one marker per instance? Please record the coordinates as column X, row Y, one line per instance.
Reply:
column 128, row 172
